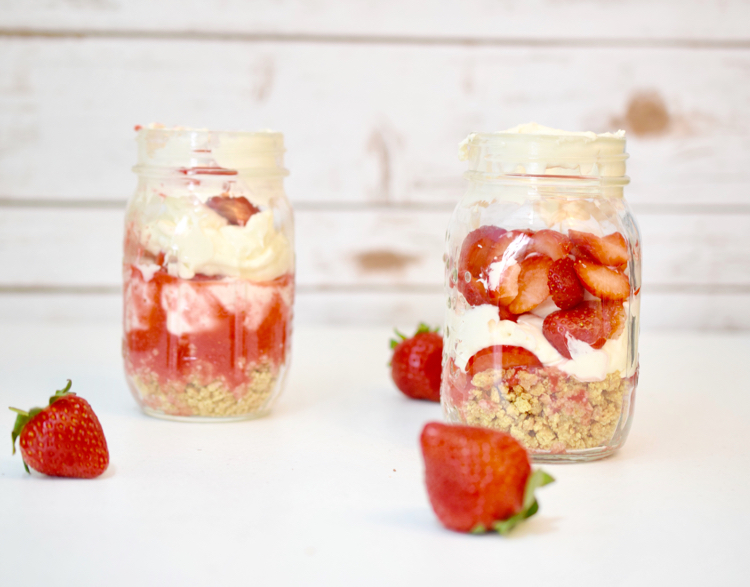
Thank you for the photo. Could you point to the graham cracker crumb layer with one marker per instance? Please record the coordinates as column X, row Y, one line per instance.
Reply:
column 547, row 413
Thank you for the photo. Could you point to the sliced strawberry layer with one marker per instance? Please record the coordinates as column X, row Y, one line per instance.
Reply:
column 613, row 316
column 501, row 356
column 584, row 323
column 609, row 250
column 237, row 211
column 532, row 284
column 564, row 286
column 601, row 281
column 551, row 243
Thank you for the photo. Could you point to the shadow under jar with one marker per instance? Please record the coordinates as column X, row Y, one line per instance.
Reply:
column 543, row 277
column 208, row 274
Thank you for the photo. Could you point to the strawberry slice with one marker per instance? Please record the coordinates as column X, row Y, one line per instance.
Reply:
column 564, row 286
column 551, row 243
column 609, row 250
column 237, row 211
column 481, row 249
column 532, row 284
column 601, row 281
column 584, row 322
column 501, row 356
column 613, row 316
column 507, row 289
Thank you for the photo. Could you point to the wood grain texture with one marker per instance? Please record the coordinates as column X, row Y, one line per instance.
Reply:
column 411, row 19
column 383, row 250
column 368, row 123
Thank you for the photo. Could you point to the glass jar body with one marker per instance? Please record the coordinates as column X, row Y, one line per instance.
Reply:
column 208, row 291
column 543, row 285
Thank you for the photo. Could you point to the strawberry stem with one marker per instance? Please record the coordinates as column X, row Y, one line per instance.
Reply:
column 530, row 505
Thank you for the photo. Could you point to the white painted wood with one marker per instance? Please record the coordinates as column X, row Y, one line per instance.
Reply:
column 366, row 123
column 452, row 19
column 328, row 490
column 362, row 249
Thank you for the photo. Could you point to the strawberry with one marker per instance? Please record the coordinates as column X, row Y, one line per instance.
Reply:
column 64, row 439
column 584, row 322
column 478, row 479
column 237, row 211
column 481, row 248
column 416, row 363
column 601, row 281
column 551, row 243
column 613, row 316
column 609, row 250
column 532, row 284
column 564, row 286
column 501, row 356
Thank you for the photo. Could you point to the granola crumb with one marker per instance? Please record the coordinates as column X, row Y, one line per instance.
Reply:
column 215, row 399
column 547, row 412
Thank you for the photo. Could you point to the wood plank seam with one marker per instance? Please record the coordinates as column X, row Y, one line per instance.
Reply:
column 364, row 39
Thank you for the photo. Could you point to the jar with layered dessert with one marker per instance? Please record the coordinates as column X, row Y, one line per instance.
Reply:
column 543, row 277
column 208, row 274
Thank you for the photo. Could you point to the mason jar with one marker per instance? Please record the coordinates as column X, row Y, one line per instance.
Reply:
column 208, row 274
column 543, row 278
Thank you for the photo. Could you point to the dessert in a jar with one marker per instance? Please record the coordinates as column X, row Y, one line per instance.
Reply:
column 208, row 274
column 543, row 277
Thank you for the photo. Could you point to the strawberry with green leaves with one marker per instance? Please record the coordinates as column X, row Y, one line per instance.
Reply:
column 63, row 439
column 417, row 362
column 478, row 479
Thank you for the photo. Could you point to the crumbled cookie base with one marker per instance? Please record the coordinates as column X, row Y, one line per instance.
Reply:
column 212, row 400
column 547, row 412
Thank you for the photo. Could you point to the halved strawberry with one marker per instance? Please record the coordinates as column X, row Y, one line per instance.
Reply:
column 551, row 243
column 237, row 211
column 532, row 284
column 507, row 290
column 564, row 286
column 609, row 250
column 613, row 316
column 584, row 322
column 501, row 356
column 601, row 281
column 482, row 248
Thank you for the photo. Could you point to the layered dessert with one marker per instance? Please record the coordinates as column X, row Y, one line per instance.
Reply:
column 541, row 330
column 208, row 292
column 538, row 344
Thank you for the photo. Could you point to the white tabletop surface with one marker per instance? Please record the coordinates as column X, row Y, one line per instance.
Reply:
column 328, row 489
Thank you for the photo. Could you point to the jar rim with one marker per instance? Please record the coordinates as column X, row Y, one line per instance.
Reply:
column 544, row 151
column 257, row 152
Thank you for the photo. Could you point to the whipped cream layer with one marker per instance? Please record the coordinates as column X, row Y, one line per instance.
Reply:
column 473, row 328
column 532, row 149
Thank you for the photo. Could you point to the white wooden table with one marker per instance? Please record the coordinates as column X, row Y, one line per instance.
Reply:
column 328, row 490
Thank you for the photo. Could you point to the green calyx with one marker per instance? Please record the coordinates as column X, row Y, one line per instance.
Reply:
column 24, row 418
column 421, row 329
column 530, row 506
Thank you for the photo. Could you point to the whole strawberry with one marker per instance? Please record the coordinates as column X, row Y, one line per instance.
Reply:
column 478, row 479
column 417, row 362
column 64, row 439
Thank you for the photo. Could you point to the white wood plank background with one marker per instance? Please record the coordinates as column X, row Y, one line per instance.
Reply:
column 373, row 99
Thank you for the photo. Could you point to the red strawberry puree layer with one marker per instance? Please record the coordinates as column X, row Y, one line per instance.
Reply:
column 204, row 329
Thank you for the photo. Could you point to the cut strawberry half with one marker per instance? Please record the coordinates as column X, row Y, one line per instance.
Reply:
column 601, row 281
column 609, row 250
column 532, row 284
column 613, row 317
column 482, row 248
column 501, row 356
column 551, row 243
column 584, row 323
column 564, row 286
column 237, row 211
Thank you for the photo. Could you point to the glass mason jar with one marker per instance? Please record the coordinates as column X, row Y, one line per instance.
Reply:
column 208, row 274
column 543, row 277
